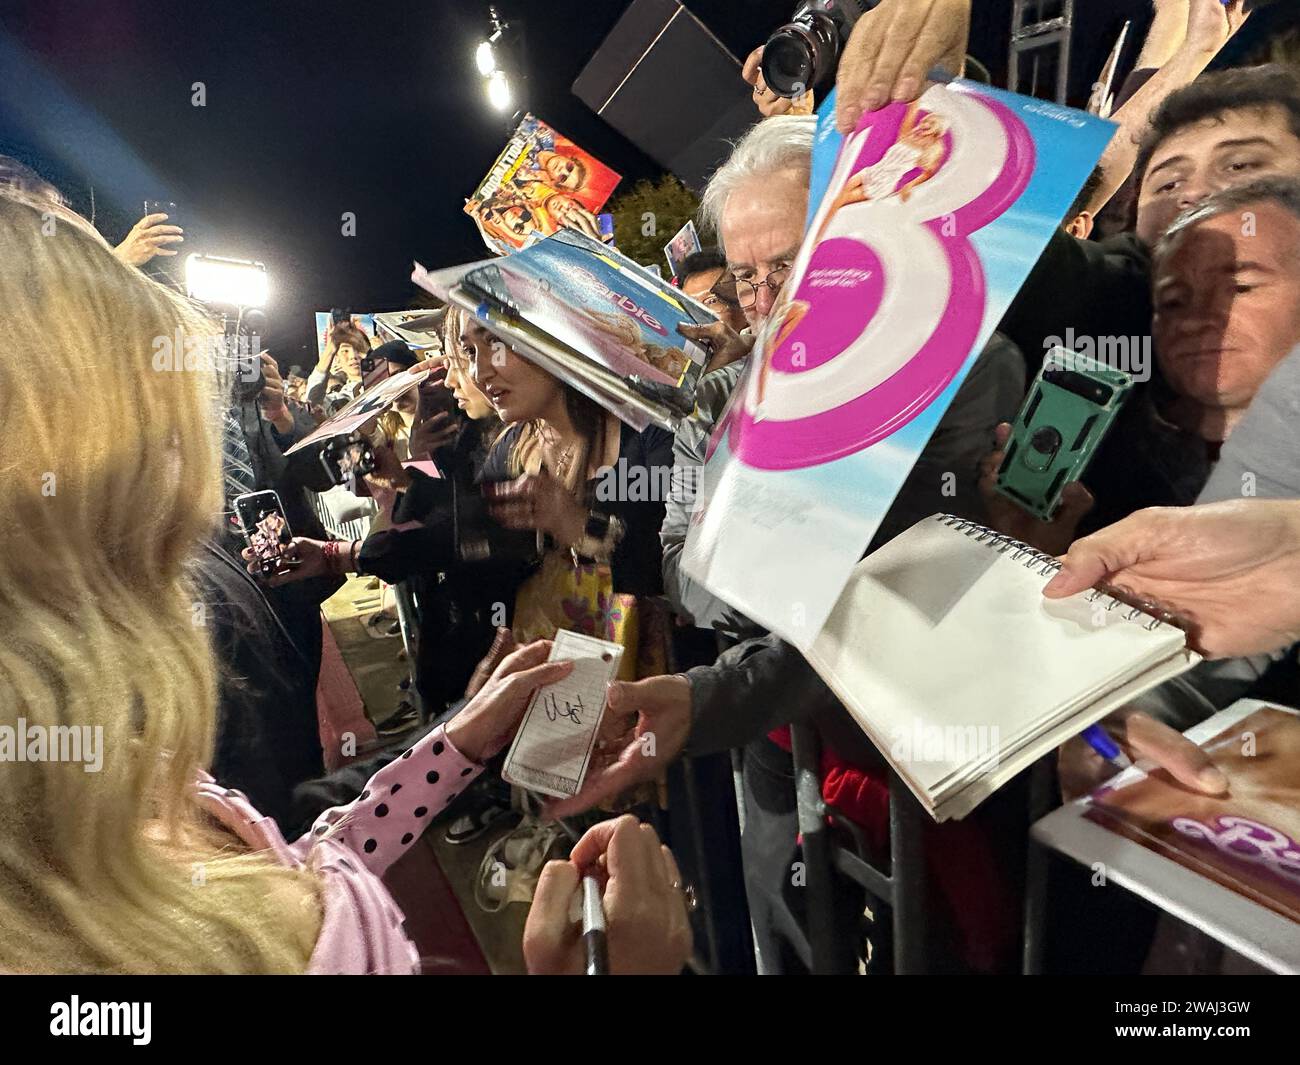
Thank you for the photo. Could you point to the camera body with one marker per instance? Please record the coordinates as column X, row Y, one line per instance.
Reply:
column 804, row 54
column 347, row 456
column 478, row 538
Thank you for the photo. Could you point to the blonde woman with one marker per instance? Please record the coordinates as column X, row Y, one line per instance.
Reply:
column 121, row 854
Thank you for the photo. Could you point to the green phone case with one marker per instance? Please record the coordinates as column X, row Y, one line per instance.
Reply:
column 1069, row 409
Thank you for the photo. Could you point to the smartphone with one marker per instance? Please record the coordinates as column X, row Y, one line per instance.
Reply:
column 435, row 398
column 338, row 317
column 171, row 210
column 373, row 371
column 266, row 530
column 477, row 537
column 1070, row 408
column 347, row 456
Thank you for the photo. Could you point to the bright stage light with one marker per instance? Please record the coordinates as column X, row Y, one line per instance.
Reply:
column 227, row 282
column 484, row 57
column 498, row 90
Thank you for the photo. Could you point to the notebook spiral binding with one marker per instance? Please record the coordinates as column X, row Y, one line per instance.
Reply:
column 1048, row 566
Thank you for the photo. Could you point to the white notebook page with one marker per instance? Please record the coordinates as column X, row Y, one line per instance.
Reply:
column 939, row 630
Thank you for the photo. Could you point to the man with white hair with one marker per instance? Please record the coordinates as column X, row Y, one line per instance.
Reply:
column 757, row 202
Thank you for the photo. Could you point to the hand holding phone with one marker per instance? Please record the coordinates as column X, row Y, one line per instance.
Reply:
column 346, row 456
column 266, row 531
column 1070, row 408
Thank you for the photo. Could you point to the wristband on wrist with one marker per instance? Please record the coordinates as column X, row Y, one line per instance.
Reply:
column 600, row 536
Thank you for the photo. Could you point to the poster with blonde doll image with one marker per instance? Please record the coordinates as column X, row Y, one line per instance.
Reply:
column 923, row 224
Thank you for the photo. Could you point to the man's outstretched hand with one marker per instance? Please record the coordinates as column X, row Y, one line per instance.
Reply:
column 1229, row 570
column 643, row 731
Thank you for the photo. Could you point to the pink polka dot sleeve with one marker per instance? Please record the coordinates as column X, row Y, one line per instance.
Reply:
column 397, row 804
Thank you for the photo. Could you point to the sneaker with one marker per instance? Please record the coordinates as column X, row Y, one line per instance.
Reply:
column 403, row 720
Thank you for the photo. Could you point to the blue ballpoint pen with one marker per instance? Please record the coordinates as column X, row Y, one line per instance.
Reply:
column 1100, row 741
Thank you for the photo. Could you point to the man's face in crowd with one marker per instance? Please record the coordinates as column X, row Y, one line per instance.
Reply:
column 701, row 287
column 1232, row 148
column 761, row 227
column 1227, row 298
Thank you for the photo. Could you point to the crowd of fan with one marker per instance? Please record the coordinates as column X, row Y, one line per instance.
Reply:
column 219, row 763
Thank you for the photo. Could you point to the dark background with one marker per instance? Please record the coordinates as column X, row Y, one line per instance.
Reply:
column 317, row 108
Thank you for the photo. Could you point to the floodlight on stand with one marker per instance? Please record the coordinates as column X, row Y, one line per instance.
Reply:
column 225, row 282
column 498, row 90
column 484, row 57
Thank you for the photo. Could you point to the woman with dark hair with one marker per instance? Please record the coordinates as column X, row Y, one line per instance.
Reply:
column 591, row 487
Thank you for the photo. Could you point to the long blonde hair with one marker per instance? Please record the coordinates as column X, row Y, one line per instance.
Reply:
column 110, row 463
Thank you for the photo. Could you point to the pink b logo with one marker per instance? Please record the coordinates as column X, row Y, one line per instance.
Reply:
column 897, row 287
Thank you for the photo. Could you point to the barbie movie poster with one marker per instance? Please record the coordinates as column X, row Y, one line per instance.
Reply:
column 542, row 182
column 923, row 224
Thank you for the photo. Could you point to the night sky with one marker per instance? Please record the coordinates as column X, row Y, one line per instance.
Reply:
column 314, row 109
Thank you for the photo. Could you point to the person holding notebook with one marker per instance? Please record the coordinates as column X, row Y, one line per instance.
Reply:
column 1231, row 567
column 1228, row 314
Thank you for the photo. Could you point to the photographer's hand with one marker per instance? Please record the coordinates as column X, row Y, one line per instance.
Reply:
column 1052, row 537
column 893, row 48
column 149, row 237
column 537, row 501
column 434, row 432
column 303, row 559
column 272, row 395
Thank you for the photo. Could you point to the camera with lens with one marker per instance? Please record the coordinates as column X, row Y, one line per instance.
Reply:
column 348, row 456
column 249, row 385
column 805, row 53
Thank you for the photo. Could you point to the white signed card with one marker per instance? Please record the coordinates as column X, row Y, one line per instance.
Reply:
column 553, row 746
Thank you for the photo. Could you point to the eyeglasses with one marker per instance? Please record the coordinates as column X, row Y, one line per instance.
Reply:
column 747, row 291
column 715, row 300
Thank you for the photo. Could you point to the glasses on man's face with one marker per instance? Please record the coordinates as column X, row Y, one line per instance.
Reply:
column 747, row 291
column 720, row 298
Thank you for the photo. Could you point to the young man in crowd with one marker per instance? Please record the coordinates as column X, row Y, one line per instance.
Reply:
column 1227, row 296
column 1227, row 128
column 705, row 278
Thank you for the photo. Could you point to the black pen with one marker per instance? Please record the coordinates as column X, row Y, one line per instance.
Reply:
column 593, row 928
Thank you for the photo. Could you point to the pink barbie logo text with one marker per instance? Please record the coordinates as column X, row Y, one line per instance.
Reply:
column 625, row 303
column 1248, row 841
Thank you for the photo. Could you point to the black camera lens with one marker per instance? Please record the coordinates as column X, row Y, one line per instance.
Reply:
column 249, row 388
column 789, row 62
column 800, row 54
column 1046, row 439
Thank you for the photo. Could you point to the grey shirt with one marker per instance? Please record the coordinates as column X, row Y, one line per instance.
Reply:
column 690, row 599
column 1262, row 456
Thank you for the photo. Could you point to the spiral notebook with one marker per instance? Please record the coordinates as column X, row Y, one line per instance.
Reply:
column 950, row 659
